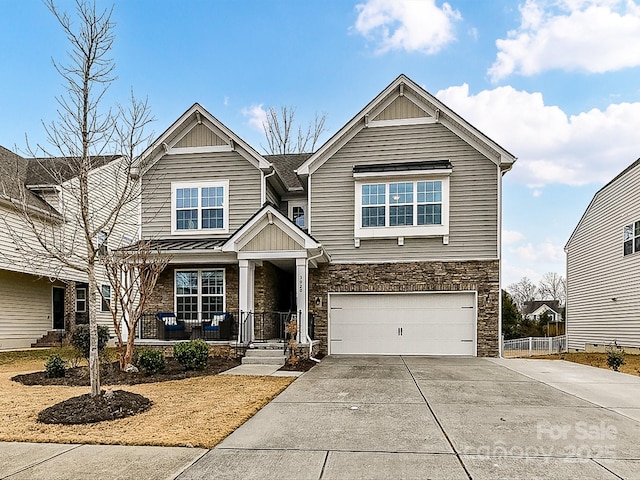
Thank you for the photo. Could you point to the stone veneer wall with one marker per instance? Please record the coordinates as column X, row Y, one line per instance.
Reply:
column 480, row 276
column 163, row 294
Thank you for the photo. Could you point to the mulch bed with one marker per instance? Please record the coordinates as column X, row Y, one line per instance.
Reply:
column 109, row 405
column 110, row 374
column 114, row 404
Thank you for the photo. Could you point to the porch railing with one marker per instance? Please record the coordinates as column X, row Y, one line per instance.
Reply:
column 267, row 326
column 151, row 328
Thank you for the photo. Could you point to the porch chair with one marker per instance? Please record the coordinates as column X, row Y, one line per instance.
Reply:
column 169, row 327
column 219, row 327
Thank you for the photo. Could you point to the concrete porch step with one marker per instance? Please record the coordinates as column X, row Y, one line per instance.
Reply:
column 264, row 352
column 279, row 360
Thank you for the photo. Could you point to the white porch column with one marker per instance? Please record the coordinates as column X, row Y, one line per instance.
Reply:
column 302, row 301
column 246, row 280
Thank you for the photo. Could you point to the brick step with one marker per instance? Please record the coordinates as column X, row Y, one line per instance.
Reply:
column 50, row 339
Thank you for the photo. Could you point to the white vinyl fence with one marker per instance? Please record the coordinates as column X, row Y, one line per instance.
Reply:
column 527, row 347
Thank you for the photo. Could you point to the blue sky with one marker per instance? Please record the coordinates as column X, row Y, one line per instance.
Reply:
column 554, row 82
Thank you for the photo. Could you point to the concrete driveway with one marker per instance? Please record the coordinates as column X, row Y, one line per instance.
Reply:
column 444, row 418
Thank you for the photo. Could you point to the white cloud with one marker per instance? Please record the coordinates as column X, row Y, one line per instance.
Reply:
column 552, row 147
column 511, row 236
column 257, row 116
column 590, row 35
column 412, row 25
column 545, row 252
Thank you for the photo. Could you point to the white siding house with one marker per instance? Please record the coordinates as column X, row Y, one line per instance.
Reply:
column 38, row 293
column 603, row 267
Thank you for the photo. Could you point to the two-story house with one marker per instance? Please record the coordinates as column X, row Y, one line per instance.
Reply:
column 41, row 298
column 386, row 240
column 603, row 268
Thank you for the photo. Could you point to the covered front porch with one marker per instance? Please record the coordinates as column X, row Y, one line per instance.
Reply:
column 242, row 291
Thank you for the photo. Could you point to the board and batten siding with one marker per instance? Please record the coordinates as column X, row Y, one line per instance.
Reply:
column 244, row 188
column 598, row 271
column 26, row 308
column 473, row 210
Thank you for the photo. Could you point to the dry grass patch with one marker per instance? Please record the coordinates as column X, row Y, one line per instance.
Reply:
column 631, row 365
column 198, row 412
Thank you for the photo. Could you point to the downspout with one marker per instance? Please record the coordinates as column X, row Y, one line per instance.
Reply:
column 264, row 183
column 309, row 339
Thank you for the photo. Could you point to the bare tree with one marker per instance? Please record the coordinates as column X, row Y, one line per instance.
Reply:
column 86, row 136
column 133, row 273
column 522, row 291
column 553, row 286
column 283, row 137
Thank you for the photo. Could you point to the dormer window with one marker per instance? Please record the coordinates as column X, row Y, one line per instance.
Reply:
column 200, row 207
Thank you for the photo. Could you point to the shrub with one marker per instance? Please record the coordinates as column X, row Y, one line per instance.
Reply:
column 191, row 355
column 615, row 357
column 55, row 366
column 80, row 339
column 151, row 361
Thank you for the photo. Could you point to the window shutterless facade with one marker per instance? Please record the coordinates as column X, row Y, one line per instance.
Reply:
column 200, row 207
column 106, row 297
column 199, row 293
column 81, row 300
column 631, row 238
column 412, row 207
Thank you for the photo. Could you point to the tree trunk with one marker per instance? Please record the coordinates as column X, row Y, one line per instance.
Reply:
column 94, row 361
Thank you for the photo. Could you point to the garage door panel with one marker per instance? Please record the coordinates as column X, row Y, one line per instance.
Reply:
column 409, row 324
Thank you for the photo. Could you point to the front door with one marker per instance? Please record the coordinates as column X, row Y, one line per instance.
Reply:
column 58, row 308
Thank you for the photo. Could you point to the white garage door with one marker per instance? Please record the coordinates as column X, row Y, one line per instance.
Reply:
column 403, row 324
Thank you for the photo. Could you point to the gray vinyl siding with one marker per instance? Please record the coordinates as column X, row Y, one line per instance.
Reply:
column 473, row 207
column 401, row 107
column 272, row 196
column 244, row 188
column 26, row 309
column 598, row 271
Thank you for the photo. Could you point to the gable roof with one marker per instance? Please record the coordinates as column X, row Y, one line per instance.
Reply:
column 285, row 167
column 197, row 115
column 531, row 307
column 595, row 197
column 271, row 215
column 56, row 170
column 13, row 178
column 403, row 86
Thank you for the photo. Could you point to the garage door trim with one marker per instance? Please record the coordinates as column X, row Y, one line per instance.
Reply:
column 426, row 293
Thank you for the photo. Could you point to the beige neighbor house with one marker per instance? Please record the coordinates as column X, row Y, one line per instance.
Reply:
column 386, row 240
column 41, row 298
column 603, row 267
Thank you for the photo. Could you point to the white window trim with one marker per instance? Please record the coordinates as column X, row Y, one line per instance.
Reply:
column 83, row 300
column 103, row 299
column 401, row 230
column 199, row 294
column 199, row 185
column 298, row 203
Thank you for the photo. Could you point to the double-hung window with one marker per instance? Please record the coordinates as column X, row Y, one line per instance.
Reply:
column 199, row 293
column 406, row 207
column 632, row 238
column 200, row 207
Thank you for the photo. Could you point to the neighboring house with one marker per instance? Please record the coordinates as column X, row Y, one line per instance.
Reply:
column 535, row 309
column 39, row 295
column 603, row 267
column 384, row 241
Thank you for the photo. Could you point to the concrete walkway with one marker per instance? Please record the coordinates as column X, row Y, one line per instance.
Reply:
column 396, row 417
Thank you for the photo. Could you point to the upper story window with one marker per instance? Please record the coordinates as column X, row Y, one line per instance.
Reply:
column 410, row 207
column 632, row 238
column 200, row 207
column 297, row 212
